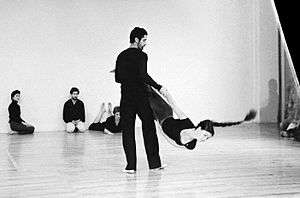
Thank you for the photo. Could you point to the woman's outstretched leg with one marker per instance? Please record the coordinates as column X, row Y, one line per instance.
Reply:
column 161, row 109
column 97, row 125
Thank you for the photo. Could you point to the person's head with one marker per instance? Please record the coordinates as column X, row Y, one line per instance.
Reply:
column 138, row 36
column 203, row 134
column 74, row 93
column 15, row 95
column 116, row 112
column 205, row 129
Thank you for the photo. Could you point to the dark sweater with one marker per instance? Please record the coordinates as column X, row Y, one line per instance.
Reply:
column 131, row 70
column 14, row 111
column 73, row 111
column 110, row 125
column 173, row 127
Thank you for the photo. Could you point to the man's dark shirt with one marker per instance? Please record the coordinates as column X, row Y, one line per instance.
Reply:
column 14, row 111
column 131, row 70
column 73, row 111
column 172, row 128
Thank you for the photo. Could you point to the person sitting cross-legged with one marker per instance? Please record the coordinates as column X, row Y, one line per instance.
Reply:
column 74, row 113
column 17, row 124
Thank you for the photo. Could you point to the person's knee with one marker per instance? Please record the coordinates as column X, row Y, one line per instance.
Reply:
column 30, row 129
column 27, row 131
column 92, row 126
column 81, row 126
column 70, row 127
column 15, row 126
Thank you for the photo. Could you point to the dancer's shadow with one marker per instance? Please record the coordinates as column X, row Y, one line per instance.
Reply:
column 269, row 113
column 18, row 154
column 153, row 183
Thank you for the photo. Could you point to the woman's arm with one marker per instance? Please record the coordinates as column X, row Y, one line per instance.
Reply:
column 176, row 109
column 107, row 132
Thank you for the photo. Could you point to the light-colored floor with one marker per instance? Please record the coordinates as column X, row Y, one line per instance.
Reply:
column 245, row 161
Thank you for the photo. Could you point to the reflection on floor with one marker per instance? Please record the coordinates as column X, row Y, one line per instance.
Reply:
column 245, row 161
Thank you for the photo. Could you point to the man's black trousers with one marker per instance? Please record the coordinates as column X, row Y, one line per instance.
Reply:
column 135, row 102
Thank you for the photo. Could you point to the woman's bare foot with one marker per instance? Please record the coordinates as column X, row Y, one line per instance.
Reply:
column 109, row 109
column 102, row 108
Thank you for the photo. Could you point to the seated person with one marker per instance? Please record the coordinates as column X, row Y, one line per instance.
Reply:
column 292, row 130
column 112, row 123
column 291, row 115
column 17, row 124
column 182, row 130
column 74, row 113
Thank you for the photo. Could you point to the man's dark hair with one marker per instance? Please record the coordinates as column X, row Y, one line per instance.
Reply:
column 14, row 93
column 73, row 89
column 116, row 109
column 137, row 32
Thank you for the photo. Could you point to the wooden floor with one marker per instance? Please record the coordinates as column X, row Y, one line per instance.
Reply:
column 245, row 161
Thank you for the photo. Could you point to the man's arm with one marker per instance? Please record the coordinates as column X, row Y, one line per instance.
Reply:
column 66, row 113
column 144, row 76
column 117, row 76
column 82, row 112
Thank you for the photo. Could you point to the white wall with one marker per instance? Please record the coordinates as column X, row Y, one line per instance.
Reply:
column 202, row 51
column 267, row 62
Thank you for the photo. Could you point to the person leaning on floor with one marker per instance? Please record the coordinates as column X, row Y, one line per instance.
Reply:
column 112, row 123
column 74, row 113
column 17, row 124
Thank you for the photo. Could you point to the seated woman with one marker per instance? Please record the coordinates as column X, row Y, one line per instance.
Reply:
column 112, row 123
column 17, row 124
column 291, row 119
column 182, row 130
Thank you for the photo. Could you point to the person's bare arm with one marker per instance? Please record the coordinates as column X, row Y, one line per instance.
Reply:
column 107, row 132
column 176, row 109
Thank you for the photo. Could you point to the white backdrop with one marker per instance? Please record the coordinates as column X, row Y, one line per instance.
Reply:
column 202, row 51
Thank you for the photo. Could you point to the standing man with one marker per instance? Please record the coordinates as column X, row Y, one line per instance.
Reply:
column 73, row 113
column 131, row 73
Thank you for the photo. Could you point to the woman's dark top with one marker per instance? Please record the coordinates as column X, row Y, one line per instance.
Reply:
column 110, row 125
column 172, row 128
column 14, row 111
